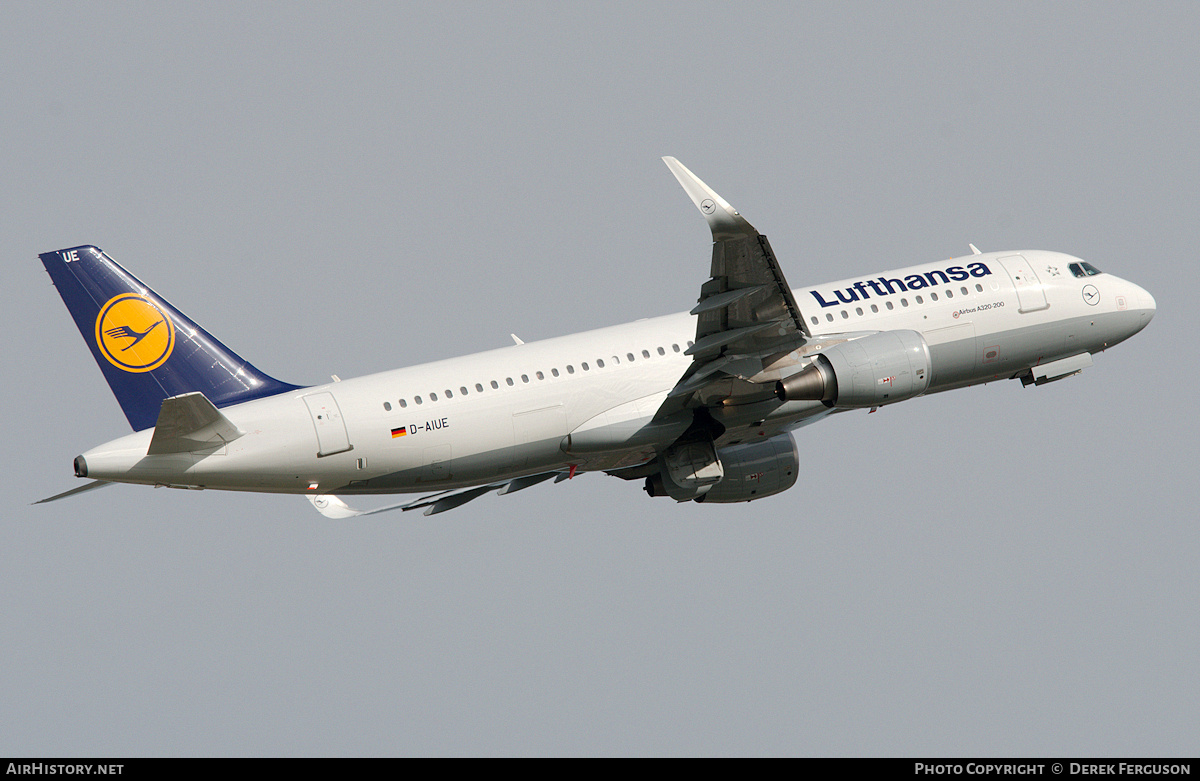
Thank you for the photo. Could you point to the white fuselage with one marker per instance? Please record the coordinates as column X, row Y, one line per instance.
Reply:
column 508, row 412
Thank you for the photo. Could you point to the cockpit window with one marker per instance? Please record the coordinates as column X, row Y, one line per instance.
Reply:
column 1084, row 269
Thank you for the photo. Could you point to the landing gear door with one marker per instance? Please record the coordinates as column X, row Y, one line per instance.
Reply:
column 327, row 419
column 1030, row 295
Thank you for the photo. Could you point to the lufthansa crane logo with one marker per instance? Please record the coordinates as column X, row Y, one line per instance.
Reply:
column 134, row 334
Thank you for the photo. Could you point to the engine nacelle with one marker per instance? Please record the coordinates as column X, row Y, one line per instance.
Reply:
column 879, row 369
column 686, row 471
column 755, row 470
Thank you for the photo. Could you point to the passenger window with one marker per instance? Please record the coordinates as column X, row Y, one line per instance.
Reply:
column 403, row 403
column 629, row 357
column 978, row 288
column 904, row 302
column 463, row 390
column 417, row 399
column 814, row 319
column 888, row 304
column 508, row 380
column 845, row 315
column 829, row 316
column 495, row 385
column 570, row 369
column 964, row 291
column 387, row 406
column 524, row 378
column 675, row 347
column 433, row 397
column 584, row 365
column 449, row 395
column 540, row 376
column 479, row 387
column 600, row 363
column 554, row 372
column 645, row 353
column 690, row 343
column 858, row 310
column 933, row 296
column 873, row 309
column 920, row 300
column 949, row 294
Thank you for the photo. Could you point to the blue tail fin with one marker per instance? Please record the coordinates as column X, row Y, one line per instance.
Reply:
column 147, row 349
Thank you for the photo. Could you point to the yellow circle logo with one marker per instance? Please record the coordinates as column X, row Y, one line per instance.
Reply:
column 134, row 334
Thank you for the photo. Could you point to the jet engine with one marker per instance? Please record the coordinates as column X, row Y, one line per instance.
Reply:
column 879, row 369
column 750, row 471
column 756, row 469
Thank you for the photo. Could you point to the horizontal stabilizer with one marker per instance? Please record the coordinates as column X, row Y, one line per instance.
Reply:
column 73, row 491
column 189, row 423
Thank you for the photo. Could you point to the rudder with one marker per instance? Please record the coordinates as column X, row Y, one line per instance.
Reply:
column 147, row 349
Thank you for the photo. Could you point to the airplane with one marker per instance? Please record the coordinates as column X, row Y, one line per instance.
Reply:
column 698, row 406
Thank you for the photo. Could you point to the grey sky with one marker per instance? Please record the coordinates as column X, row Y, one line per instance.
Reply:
column 345, row 189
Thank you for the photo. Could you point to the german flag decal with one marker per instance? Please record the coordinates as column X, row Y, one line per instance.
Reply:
column 399, row 432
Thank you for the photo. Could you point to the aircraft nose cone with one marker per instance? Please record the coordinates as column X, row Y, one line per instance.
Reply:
column 1147, row 303
column 1146, row 307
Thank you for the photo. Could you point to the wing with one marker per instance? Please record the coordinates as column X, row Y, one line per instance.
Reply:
column 332, row 507
column 746, row 313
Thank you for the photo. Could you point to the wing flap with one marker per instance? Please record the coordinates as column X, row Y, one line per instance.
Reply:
column 713, row 342
column 521, row 483
column 729, row 297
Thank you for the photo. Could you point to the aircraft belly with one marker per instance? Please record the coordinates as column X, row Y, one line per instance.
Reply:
column 952, row 354
column 466, row 470
column 1003, row 353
